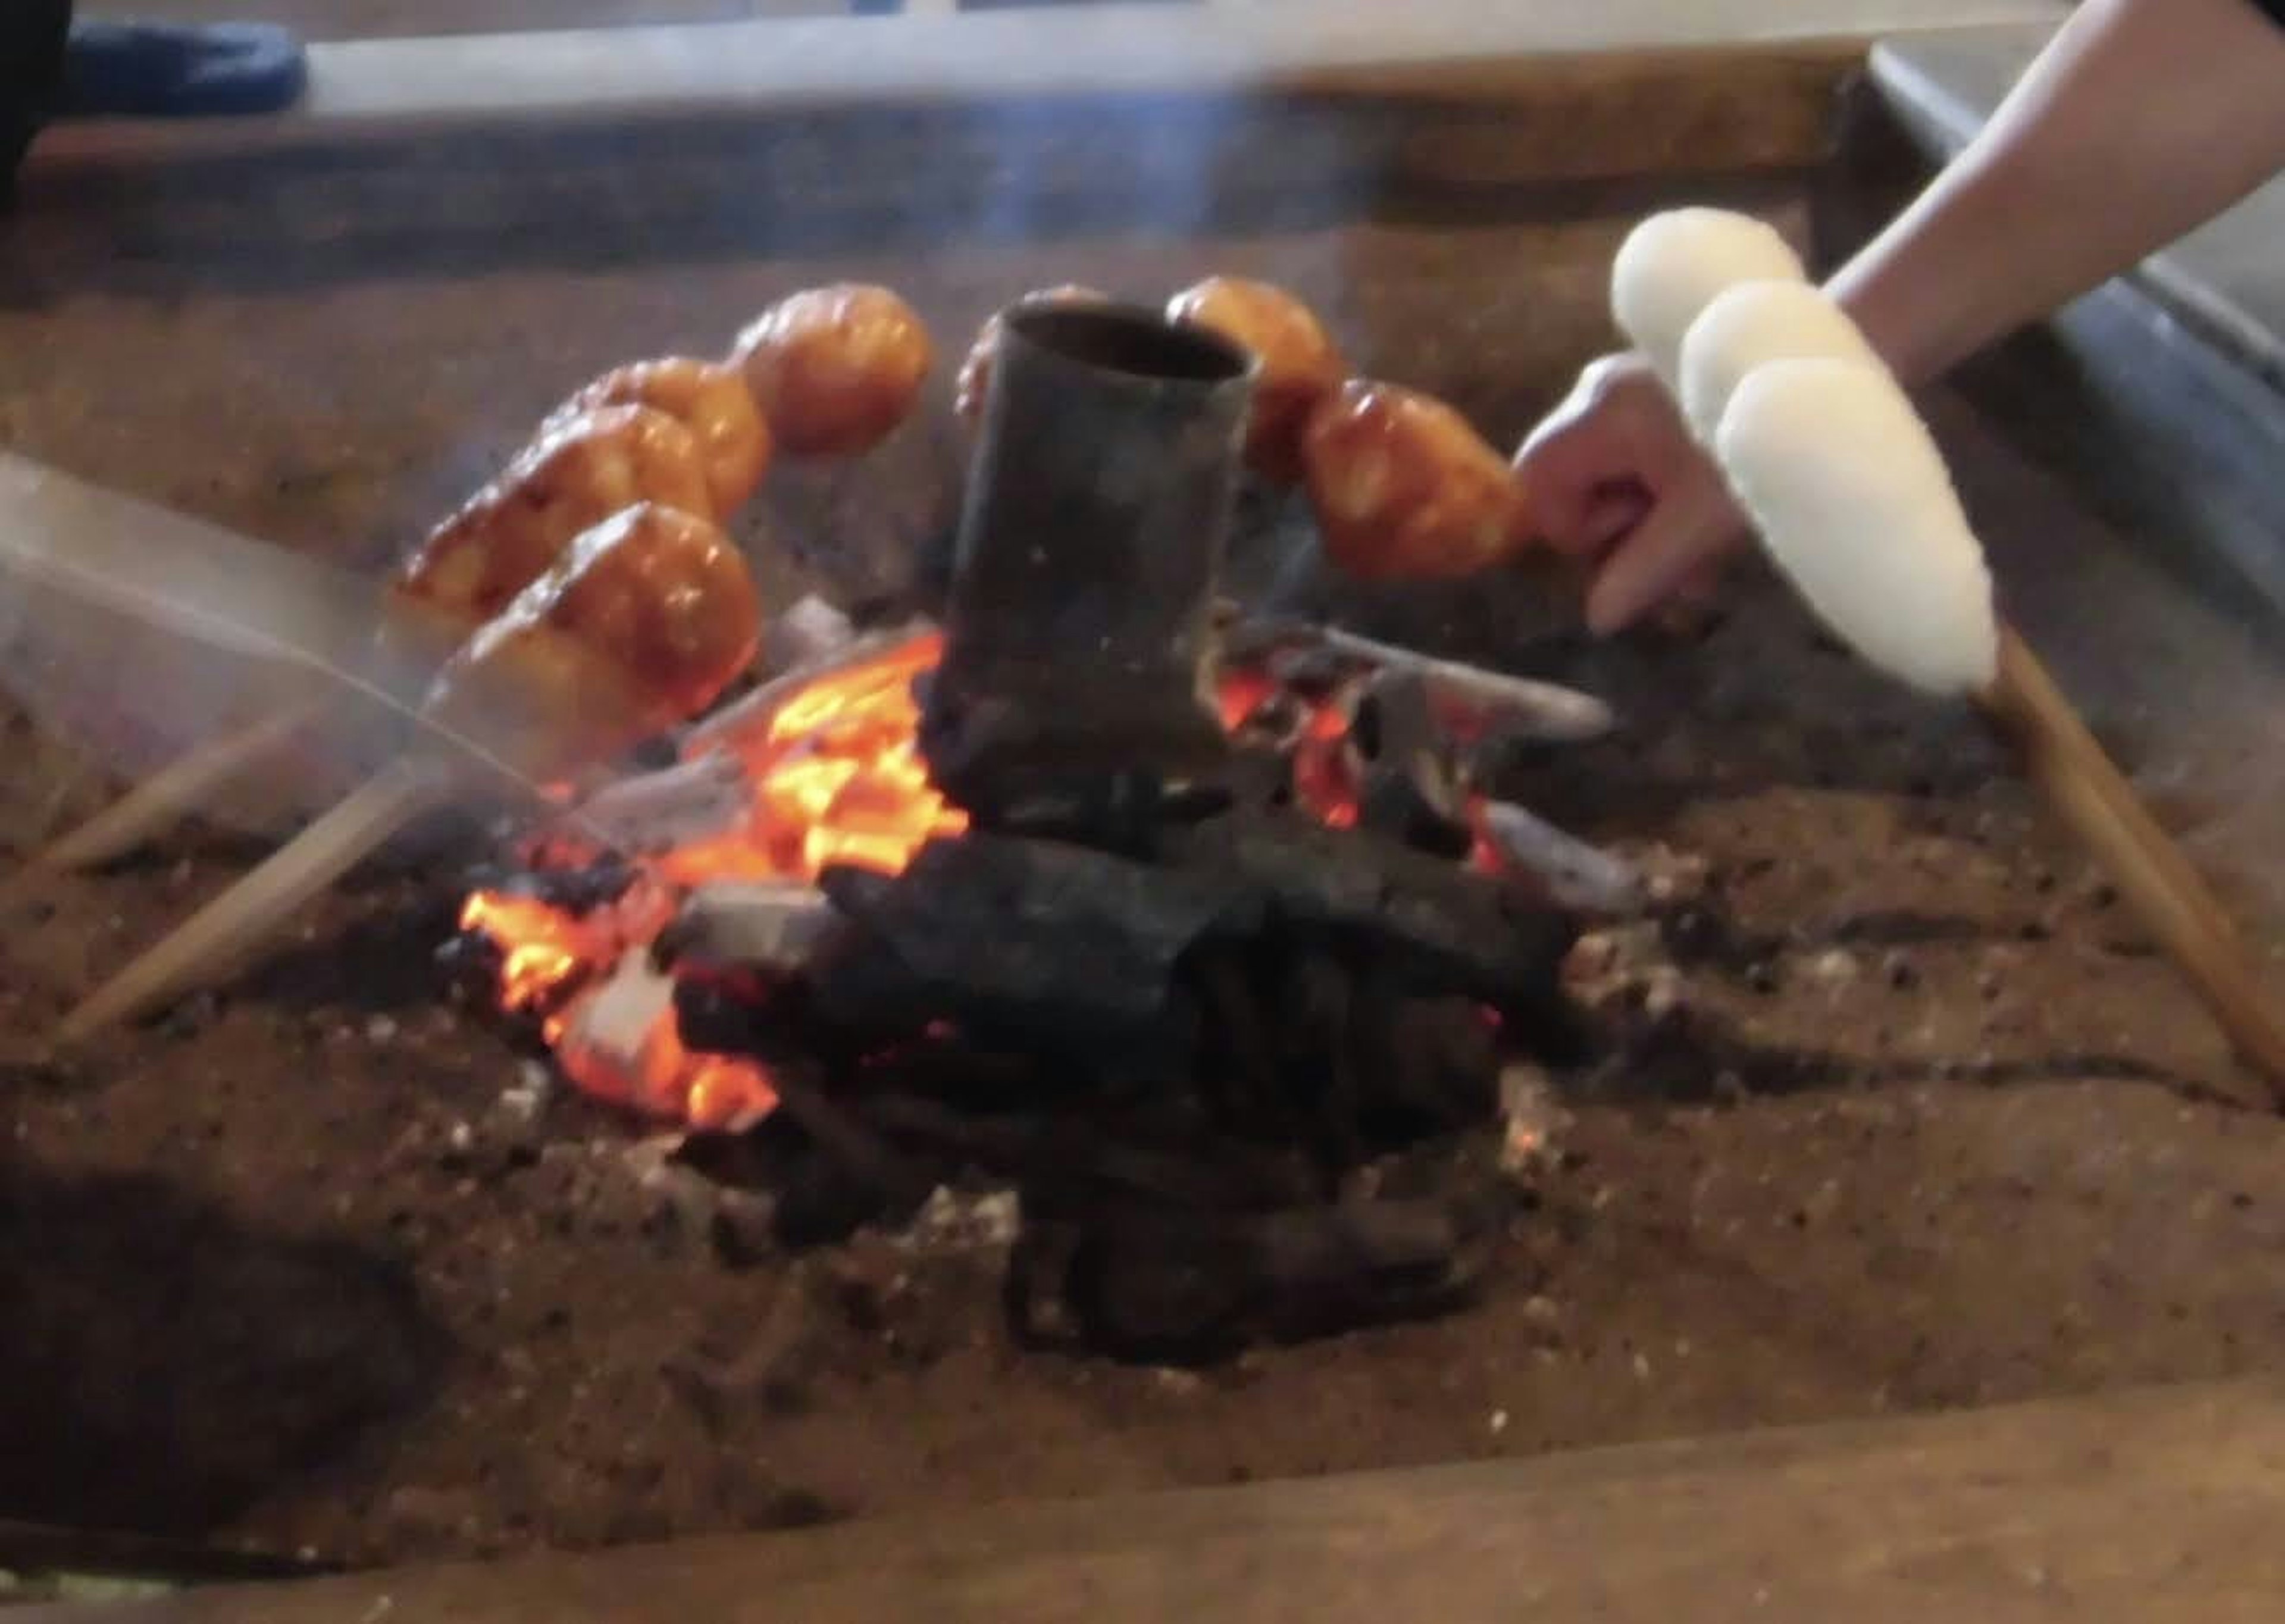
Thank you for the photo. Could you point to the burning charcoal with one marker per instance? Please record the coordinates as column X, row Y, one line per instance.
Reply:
column 807, row 635
column 577, row 891
column 1052, row 946
column 1408, row 784
column 745, row 724
column 1487, row 701
column 677, row 806
column 1577, row 875
column 611, row 1032
column 769, row 927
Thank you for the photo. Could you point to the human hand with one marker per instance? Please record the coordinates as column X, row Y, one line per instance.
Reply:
column 1615, row 479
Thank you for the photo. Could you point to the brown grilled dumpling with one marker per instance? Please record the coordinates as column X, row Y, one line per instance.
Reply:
column 1404, row 489
column 835, row 370
column 709, row 399
column 1300, row 366
column 640, row 625
column 586, row 467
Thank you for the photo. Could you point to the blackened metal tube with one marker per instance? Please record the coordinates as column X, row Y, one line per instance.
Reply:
column 1079, row 638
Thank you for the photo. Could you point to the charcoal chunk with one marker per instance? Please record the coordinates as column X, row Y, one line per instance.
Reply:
column 1072, row 949
column 1438, row 927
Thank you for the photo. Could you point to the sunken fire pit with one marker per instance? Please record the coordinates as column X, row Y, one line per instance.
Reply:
column 1174, row 945
column 1884, row 1107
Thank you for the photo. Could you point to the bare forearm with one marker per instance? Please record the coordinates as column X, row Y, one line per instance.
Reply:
column 2142, row 119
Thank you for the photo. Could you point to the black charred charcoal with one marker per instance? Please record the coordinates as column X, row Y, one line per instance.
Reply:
column 1423, row 1065
column 576, row 891
column 720, row 1014
column 821, row 1202
column 471, row 963
column 1171, row 1293
column 1065, row 949
column 1257, row 778
column 1337, row 1267
column 1439, row 928
column 1111, row 812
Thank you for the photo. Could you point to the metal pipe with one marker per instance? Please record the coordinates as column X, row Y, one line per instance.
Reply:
column 1080, row 638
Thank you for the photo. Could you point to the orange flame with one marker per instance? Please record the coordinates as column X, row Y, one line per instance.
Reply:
column 634, row 1055
column 836, row 777
column 545, row 949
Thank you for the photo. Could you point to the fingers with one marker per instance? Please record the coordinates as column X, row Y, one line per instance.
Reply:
column 1680, row 544
column 1611, row 512
column 1578, row 504
column 1597, row 465
column 1701, row 584
column 1614, row 475
column 1577, row 474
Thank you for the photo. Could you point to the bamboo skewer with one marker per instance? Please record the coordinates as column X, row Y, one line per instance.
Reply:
column 2090, row 795
column 176, row 791
column 545, row 673
column 1869, row 529
column 1855, row 503
column 215, row 940
column 829, row 372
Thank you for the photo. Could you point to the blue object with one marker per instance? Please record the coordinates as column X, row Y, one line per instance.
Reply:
column 150, row 70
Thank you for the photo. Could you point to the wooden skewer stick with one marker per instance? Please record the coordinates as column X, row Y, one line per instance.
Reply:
column 218, row 937
column 1851, row 494
column 541, row 673
column 1853, row 499
column 173, row 793
column 2066, row 764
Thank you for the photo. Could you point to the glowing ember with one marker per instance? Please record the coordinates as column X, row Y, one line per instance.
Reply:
column 618, row 1040
column 838, row 778
column 835, row 776
column 545, row 950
